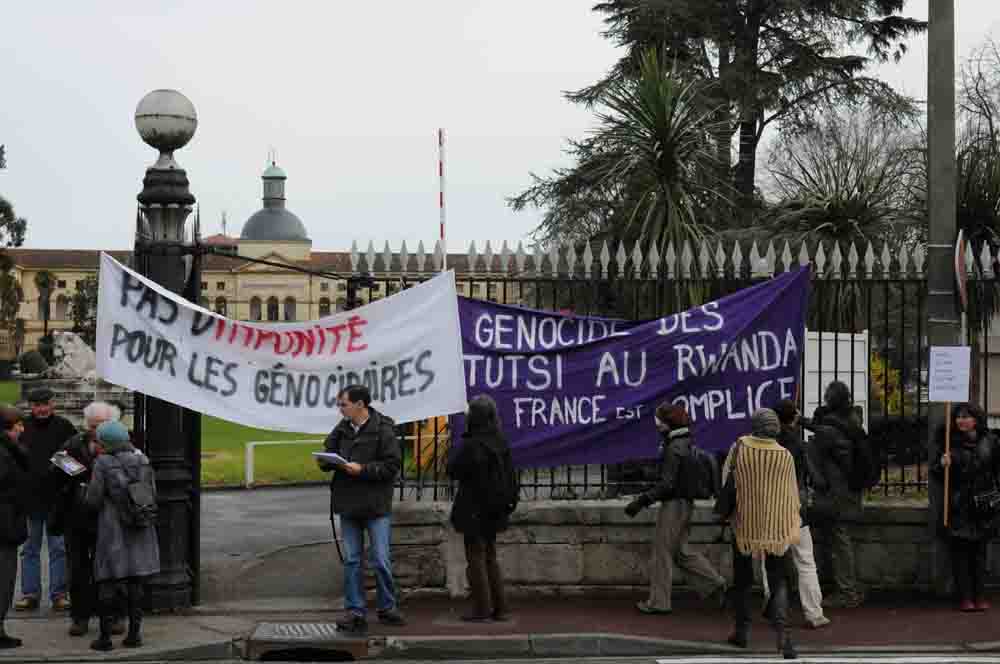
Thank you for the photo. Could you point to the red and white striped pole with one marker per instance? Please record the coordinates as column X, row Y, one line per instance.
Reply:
column 444, row 245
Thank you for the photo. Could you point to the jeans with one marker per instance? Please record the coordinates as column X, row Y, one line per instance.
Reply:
column 379, row 533
column 31, row 561
column 810, row 594
column 968, row 560
column 670, row 546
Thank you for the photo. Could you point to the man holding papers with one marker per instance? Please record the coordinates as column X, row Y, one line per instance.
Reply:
column 361, row 493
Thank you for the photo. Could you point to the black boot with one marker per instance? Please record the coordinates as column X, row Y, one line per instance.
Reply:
column 134, row 637
column 103, row 641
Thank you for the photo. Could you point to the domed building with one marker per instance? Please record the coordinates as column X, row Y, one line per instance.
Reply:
column 274, row 222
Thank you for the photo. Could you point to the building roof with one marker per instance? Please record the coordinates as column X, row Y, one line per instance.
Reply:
column 274, row 224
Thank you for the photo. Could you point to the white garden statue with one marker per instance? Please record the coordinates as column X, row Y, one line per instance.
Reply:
column 73, row 357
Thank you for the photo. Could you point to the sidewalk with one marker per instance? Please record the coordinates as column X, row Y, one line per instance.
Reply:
column 551, row 627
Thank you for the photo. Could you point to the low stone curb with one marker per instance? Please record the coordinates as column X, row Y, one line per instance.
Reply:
column 227, row 649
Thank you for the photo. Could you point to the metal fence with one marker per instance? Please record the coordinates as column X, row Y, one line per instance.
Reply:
column 858, row 292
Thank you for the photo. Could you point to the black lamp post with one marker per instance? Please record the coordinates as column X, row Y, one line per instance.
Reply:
column 166, row 120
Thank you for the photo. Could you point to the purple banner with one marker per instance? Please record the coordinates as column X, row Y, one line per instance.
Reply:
column 582, row 389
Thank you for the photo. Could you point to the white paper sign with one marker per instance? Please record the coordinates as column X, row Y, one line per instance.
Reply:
column 949, row 373
column 283, row 376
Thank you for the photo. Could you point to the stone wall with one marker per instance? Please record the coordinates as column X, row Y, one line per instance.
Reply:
column 73, row 394
column 590, row 547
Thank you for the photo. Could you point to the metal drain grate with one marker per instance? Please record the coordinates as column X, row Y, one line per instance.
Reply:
column 288, row 637
column 296, row 632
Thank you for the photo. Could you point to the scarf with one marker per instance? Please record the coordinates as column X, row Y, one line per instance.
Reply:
column 766, row 520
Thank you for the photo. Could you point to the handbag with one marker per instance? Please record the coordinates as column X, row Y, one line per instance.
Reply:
column 987, row 504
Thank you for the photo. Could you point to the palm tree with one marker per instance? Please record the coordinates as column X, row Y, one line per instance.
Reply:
column 44, row 281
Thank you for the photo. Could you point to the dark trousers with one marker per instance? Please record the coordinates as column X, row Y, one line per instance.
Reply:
column 968, row 563
column 8, row 573
column 120, row 597
column 80, row 545
column 483, row 572
column 777, row 579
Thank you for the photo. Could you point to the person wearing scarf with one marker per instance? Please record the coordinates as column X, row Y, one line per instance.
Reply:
column 765, row 524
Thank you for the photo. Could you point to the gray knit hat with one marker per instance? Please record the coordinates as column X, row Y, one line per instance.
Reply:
column 764, row 423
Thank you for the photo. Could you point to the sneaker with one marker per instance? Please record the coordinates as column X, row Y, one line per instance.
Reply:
column 79, row 627
column 61, row 603
column 353, row 624
column 819, row 623
column 26, row 603
column 391, row 617
column 645, row 607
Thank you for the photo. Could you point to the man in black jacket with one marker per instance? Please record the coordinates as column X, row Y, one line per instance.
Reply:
column 13, row 521
column 45, row 433
column 361, row 494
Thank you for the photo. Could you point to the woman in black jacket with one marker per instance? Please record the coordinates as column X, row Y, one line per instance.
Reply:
column 482, row 457
column 14, row 484
column 975, row 467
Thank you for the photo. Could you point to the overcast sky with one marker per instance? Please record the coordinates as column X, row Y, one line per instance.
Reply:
column 349, row 94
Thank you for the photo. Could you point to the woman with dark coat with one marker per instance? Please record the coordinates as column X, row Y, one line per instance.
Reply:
column 483, row 446
column 125, row 557
column 975, row 468
column 14, row 485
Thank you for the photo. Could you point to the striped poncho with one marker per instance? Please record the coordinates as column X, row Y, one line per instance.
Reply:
column 766, row 520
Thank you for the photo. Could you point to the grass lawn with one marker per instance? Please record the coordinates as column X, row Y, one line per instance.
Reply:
column 222, row 452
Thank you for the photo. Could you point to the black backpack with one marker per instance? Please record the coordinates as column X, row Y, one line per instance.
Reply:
column 138, row 506
column 503, row 486
column 700, row 476
column 866, row 464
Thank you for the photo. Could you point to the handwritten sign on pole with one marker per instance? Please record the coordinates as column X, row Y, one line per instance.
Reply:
column 949, row 373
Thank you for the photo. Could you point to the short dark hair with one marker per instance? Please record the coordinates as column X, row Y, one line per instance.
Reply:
column 786, row 410
column 9, row 416
column 356, row 393
column 674, row 415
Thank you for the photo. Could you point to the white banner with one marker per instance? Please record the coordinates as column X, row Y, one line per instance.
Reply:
column 407, row 349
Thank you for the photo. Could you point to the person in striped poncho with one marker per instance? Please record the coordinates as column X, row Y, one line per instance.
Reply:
column 765, row 523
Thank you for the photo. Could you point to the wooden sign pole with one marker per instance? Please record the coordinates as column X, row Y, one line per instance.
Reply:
column 947, row 451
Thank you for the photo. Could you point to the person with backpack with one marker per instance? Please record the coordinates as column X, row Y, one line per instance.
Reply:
column 687, row 475
column 974, row 500
column 810, row 594
column 487, row 496
column 839, row 449
column 15, row 483
column 122, row 489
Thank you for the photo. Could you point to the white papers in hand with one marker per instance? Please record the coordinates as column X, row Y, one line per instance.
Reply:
column 331, row 457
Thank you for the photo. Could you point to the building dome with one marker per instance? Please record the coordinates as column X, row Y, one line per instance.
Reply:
column 274, row 222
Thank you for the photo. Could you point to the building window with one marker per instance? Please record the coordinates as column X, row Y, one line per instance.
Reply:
column 477, row 289
column 204, row 285
column 62, row 308
column 220, row 306
column 289, row 308
column 78, row 283
column 60, row 283
column 324, row 306
column 255, row 308
column 220, row 285
column 341, row 304
column 342, row 286
column 204, row 302
column 324, row 286
column 272, row 308
column 44, row 307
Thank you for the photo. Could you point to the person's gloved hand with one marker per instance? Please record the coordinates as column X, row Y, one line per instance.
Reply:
column 636, row 506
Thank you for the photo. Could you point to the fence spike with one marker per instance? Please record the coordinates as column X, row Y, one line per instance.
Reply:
column 653, row 260
column 758, row 268
column 588, row 260
column 671, row 260
column 421, row 256
column 605, row 259
column 820, row 260
column 554, row 260
column 803, row 254
column 737, row 259
column 636, row 260
column 720, row 260
column 620, row 257
column 704, row 259
column 404, row 259
column 438, row 255
column 869, row 261
column 505, row 258
column 386, row 258
column 770, row 256
column 986, row 261
column 370, row 257
column 570, row 252
column 903, row 256
column 520, row 258
column 918, row 259
column 687, row 257
column 886, row 260
column 852, row 261
column 786, row 257
column 354, row 256
column 537, row 256
column 488, row 257
column 837, row 261
column 472, row 255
